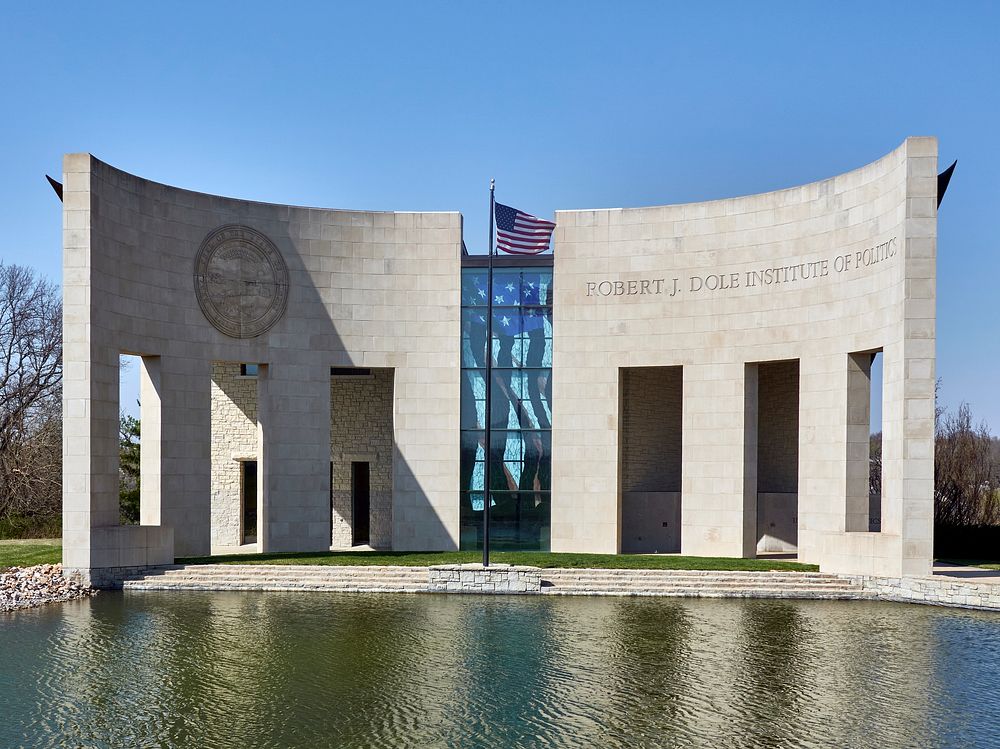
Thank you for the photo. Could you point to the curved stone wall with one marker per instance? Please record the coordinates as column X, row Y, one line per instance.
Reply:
column 365, row 289
column 812, row 273
column 788, row 292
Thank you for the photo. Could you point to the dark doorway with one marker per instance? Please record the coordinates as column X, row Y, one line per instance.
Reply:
column 248, row 501
column 360, row 501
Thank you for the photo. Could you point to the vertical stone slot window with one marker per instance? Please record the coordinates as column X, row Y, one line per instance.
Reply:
column 248, row 501
column 771, row 456
column 361, row 501
column 864, row 441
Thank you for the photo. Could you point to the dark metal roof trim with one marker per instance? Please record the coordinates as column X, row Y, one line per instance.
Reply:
column 943, row 180
column 57, row 186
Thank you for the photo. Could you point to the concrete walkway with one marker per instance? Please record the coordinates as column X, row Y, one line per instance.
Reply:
column 972, row 574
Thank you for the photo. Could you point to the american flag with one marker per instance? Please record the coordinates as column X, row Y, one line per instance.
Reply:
column 520, row 233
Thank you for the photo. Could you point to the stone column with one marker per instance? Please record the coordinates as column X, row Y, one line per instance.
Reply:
column 185, row 448
column 712, row 510
column 294, row 464
column 919, row 331
column 859, row 384
column 751, row 422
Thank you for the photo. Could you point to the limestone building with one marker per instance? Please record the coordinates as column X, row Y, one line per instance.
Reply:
column 691, row 378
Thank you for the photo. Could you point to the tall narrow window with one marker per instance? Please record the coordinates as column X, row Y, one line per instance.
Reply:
column 361, row 501
column 864, row 442
column 248, row 501
column 875, row 445
column 520, row 421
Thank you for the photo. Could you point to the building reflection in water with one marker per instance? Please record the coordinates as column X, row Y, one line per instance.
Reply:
column 281, row 670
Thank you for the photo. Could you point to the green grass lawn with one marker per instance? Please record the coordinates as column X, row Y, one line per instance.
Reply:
column 530, row 558
column 28, row 553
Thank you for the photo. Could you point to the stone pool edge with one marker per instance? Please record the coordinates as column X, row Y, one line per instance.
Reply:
column 523, row 580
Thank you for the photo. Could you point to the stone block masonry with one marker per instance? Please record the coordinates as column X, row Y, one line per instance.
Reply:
column 474, row 578
column 816, row 274
column 937, row 591
column 234, row 439
column 361, row 431
column 522, row 580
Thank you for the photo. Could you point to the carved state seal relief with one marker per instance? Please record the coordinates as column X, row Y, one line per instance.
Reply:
column 241, row 281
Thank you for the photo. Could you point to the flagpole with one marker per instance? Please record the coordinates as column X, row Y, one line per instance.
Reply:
column 489, row 388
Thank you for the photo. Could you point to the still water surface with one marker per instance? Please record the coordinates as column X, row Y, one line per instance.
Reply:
column 206, row 670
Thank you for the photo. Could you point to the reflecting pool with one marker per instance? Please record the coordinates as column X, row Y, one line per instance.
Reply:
column 213, row 670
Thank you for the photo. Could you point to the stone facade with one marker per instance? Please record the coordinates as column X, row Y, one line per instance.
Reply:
column 813, row 273
column 361, row 430
column 364, row 289
column 234, row 439
column 723, row 292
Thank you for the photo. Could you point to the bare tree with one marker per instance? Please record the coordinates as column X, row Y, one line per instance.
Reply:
column 966, row 473
column 30, row 393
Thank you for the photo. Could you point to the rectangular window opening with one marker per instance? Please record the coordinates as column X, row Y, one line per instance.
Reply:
column 248, row 502
column 865, row 382
column 875, row 444
column 361, row 502
column 129, row 468
column 350, row 372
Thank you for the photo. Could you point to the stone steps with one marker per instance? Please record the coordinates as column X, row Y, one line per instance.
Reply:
column 378, row 579
column 358, row 579
column 699, row 584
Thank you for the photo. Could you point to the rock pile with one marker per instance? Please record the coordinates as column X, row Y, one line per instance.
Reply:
column 25, row 587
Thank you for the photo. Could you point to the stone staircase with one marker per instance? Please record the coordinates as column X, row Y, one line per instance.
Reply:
column 273, row 577
column 700, row 584
column 385, row 579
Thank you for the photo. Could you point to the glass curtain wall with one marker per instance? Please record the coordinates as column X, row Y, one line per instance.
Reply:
column 521, row 418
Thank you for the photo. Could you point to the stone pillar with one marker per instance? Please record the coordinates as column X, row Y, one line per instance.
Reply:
column 185, row 440
column 712, row 510
column 858, row 457
column 919, row 331
column 293, row 402
column 751, row 423
column 264, row 449
column 151, row 436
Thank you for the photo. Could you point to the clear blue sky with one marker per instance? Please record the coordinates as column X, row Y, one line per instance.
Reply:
column 415, row 106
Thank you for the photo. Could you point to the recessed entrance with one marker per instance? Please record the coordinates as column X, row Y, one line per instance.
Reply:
column 362, row 446
column 248, row 502
column 650, row 459
column 771, row 457
column 360, row 501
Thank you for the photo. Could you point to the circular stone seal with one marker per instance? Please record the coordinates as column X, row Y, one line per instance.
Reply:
column 241, row 281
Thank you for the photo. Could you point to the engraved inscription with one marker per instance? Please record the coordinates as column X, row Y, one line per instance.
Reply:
column 241, row 281
column 768, row 278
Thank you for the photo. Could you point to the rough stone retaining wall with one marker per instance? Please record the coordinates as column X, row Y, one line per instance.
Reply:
column 938, row 591
column 474, row 578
